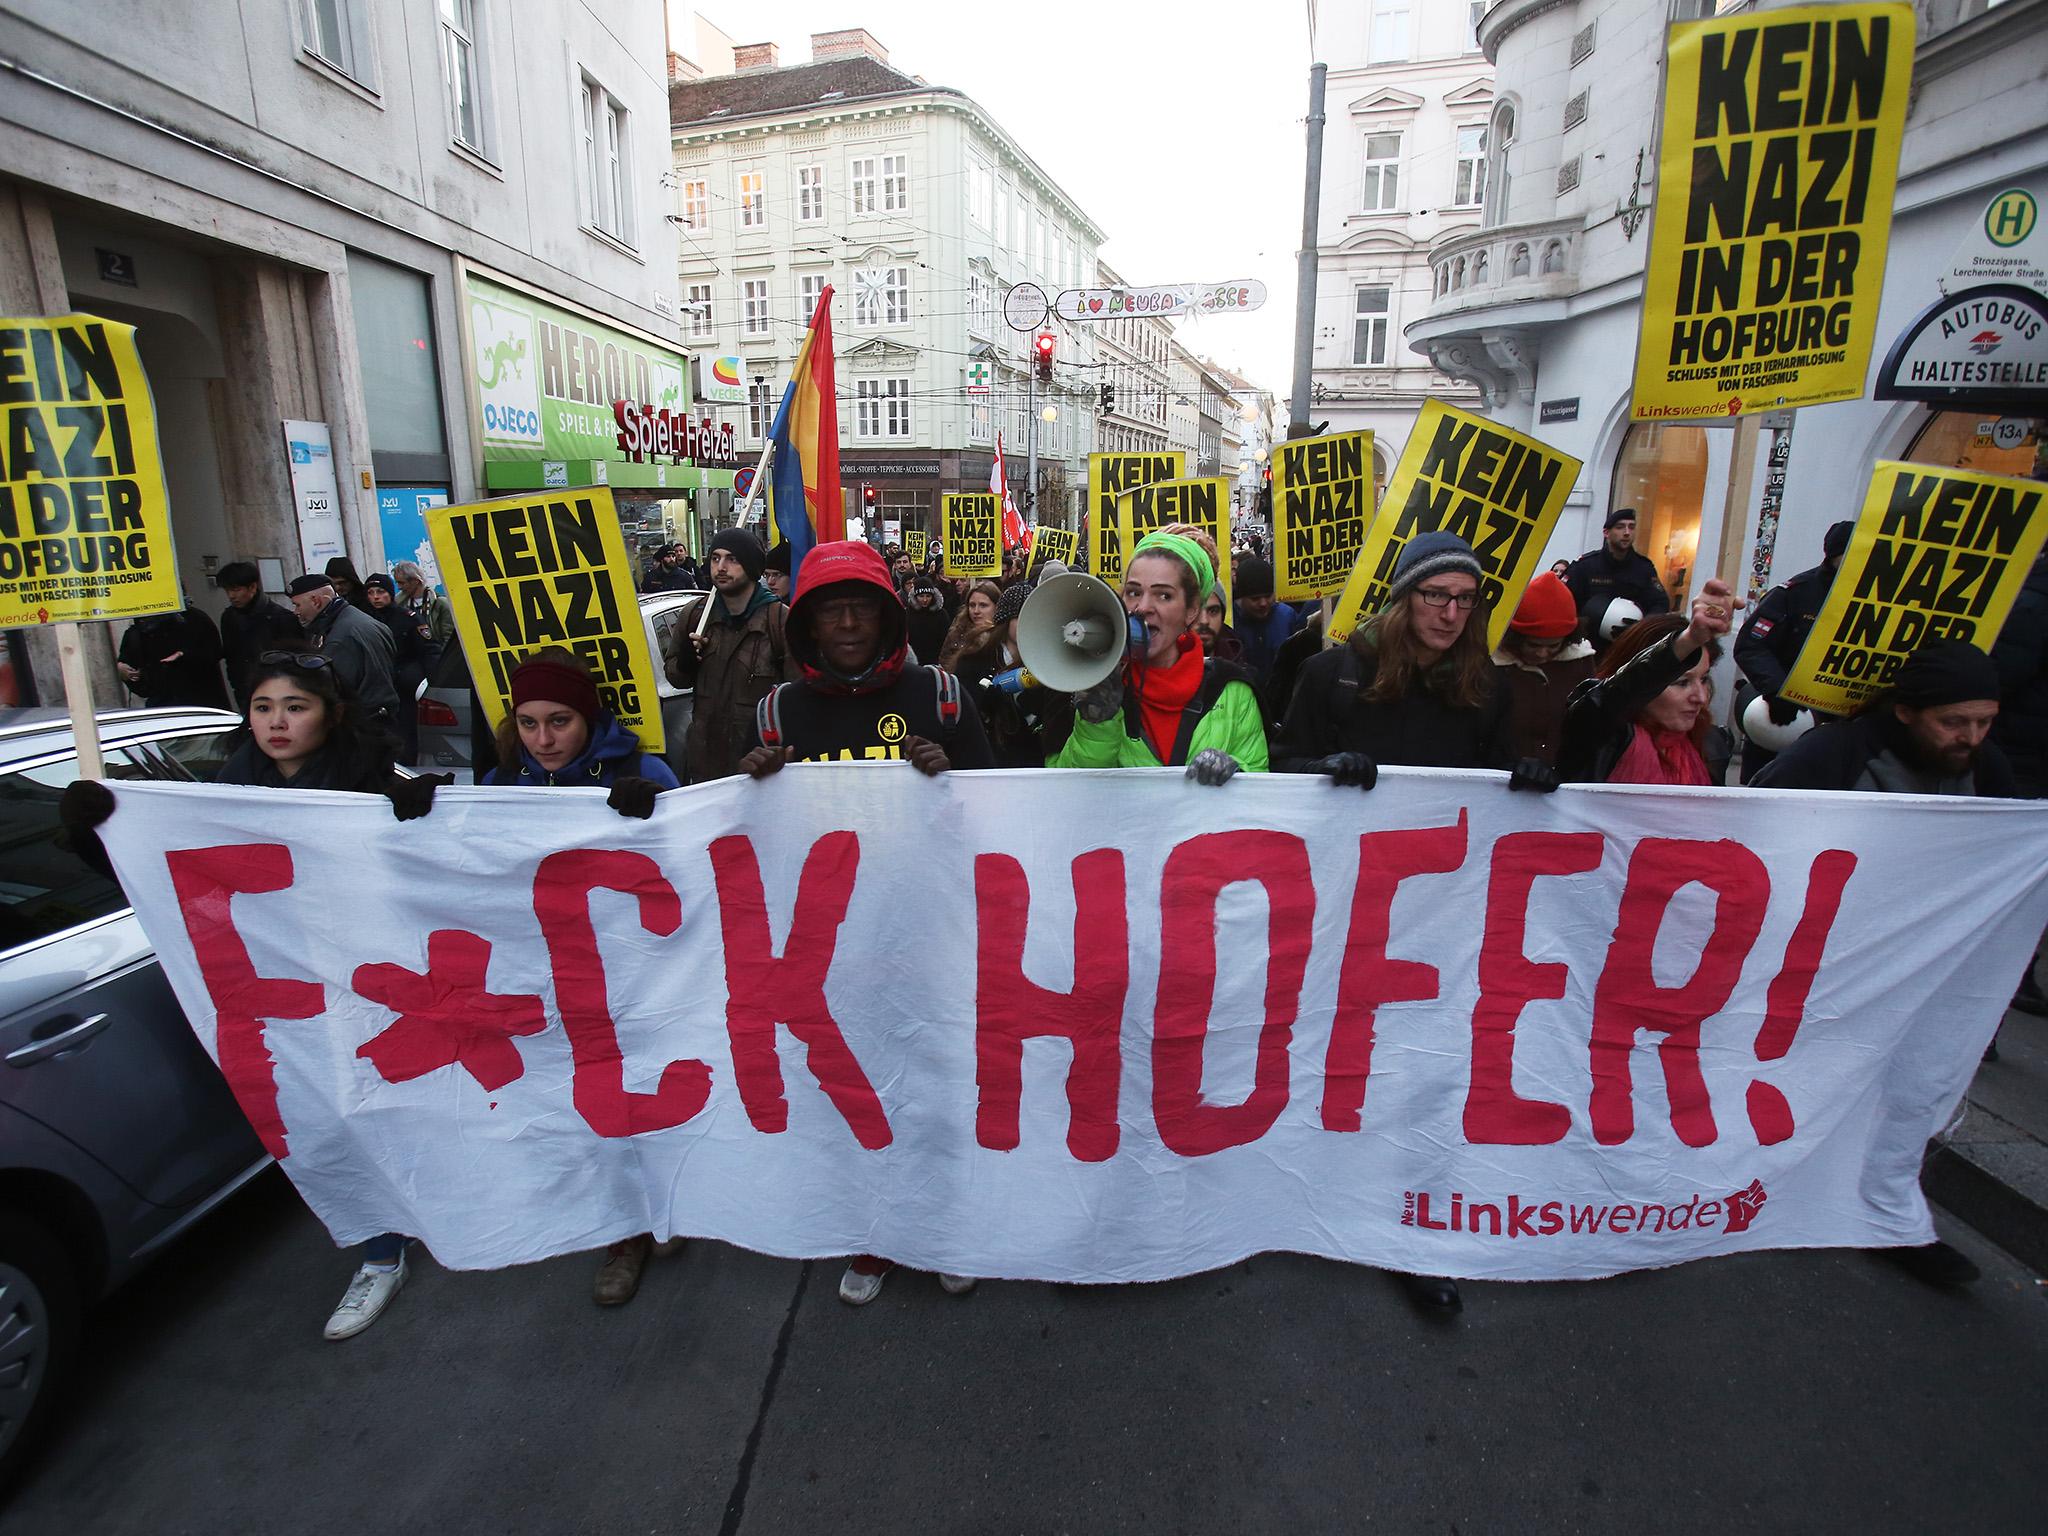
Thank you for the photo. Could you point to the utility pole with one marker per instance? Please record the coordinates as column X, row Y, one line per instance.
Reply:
column 1305, row 259
column 1031, row 446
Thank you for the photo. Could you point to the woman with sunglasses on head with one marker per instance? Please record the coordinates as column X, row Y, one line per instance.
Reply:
column 305, row 732
column 1413, row 686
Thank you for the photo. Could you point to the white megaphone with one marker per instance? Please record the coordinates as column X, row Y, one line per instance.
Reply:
column 1072, row 632
column 1760, row 728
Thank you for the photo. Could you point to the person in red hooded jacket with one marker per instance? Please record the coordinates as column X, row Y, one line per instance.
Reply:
column 862, row 698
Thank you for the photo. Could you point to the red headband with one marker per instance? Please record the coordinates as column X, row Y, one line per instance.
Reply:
column 553, row 682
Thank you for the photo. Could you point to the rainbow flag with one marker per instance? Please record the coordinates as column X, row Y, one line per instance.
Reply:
column 803, row 468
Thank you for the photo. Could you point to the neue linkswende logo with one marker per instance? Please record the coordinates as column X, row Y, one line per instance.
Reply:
column 1521, row 1216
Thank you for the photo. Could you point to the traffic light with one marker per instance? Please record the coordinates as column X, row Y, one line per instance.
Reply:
column 1108, row 398
column 1046, row 341
column 870, row 495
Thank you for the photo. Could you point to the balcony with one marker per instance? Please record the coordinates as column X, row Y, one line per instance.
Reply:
column 1481, row 268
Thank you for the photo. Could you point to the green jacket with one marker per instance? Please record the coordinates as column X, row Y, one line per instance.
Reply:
column 1223, row 714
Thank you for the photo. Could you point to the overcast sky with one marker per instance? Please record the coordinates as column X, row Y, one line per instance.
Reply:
column 1177, row 129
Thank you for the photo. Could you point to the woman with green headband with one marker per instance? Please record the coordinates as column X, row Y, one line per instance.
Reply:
column 1169, row 707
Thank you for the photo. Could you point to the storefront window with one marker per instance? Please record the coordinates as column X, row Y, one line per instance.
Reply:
column 1979, row 441
column 1662, row 473
column 401, row 386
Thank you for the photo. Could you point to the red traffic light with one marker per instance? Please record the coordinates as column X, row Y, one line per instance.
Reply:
column 1046, row 342
column 869, row 495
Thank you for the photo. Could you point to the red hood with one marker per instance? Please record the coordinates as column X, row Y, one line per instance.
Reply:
column 831, row 565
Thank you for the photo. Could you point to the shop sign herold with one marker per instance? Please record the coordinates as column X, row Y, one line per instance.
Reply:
column 1984, row 346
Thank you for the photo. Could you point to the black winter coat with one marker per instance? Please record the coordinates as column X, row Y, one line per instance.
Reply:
column 1330, row 713
column 1600, row 716
column 246, row 633
column 1768, row 643
column 1838, row 756
column 2021, row 655
column 1595, row 577
column 824, row 727
column 193, row 679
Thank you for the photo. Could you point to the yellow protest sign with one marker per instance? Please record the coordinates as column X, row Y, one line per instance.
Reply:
column 1203, row 504
column 1499, row 491
column 526, row 572
column 85, row 524
column 916, row 544
column 1052, row 544
column 971, row 529
column 1109, row 476
column 1322, row 502
column 1780, row 152
column 1937, row 554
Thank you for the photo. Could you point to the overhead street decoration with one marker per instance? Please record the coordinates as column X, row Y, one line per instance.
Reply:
column 1238, row 296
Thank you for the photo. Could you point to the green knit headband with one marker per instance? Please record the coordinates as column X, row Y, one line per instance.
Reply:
column 1183, row 549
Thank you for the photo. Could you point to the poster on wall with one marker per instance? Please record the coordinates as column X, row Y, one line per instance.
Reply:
column 85, row 521
column 1937, row 554
column 315, row 494
column 1498, row 490
column 1780, row 153
column 402, row 514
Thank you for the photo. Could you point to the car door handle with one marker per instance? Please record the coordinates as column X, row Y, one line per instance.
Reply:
column 65, row 1040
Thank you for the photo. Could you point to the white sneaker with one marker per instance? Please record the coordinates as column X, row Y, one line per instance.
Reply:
column 957, row 1285
column 857, row 1289
column 366, row 1297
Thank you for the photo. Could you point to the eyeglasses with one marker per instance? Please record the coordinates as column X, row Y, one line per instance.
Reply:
column 849, row 607
column 312, row 661
column 1437, row 597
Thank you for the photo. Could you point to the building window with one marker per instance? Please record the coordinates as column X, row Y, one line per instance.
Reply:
column 1474, row 11
column 697, row 304
column 460, row 70
column 754, row 319
column 1382, row 173
column 760, row 410
column 981, row 178
column 881, row 407
column 895, row 183
column 981, row 420
column 860, row 175
column 810, row 193
column 1471, row 189
column 1369, row 328
column 981, row 305
column 1389, row 31
column 1661, row 471
column 1499, row 140
column 608, row 185
column 1963, row 440
column 882, row 296
column 335, row 33
column 810, row 289
column 696, row 205
column 753, row 199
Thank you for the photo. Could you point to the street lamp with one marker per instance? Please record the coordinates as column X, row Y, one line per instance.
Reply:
column 1048, row 414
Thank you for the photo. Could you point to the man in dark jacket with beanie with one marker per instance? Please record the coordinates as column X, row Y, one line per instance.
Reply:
column 862, row 699
column 1928, row 736
column 361, row 649
column 1262, row 625
column 742, row 653
column 1768, row 644
column 251, row 625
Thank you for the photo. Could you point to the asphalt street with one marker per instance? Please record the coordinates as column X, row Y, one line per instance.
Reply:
column 1820, row 1391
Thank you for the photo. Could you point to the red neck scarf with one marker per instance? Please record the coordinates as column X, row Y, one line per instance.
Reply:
column 1660, row 757
column 1163, row 693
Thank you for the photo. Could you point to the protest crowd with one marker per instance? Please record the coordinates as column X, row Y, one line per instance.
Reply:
column 1593, row 682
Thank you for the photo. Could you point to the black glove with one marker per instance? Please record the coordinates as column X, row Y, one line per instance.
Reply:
column 1105, row 701
column 1212, row 766
column 86, row 803
column 412, row 798
column 1782, row 710
column 1349, row 768
column 1534, row 774
column 633, row 796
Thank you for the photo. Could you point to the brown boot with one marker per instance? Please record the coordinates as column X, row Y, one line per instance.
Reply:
column 618, row 1277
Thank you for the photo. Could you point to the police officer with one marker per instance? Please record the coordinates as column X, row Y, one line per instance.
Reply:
column 1769, row 641
column 1614, row 570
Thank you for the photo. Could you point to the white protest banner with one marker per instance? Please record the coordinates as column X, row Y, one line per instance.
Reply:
column 1148, row 1027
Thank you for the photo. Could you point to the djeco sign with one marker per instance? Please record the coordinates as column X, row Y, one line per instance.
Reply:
column 547, row 378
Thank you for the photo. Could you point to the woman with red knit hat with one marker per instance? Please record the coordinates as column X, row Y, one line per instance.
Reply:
column 1540, row 663
column 559, row 734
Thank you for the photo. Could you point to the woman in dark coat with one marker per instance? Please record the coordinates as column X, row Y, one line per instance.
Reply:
column 1643, row 718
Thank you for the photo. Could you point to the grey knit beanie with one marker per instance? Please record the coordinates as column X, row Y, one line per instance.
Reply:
column 1432, row 554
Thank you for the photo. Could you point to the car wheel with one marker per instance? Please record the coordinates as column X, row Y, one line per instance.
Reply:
column 39, row 1313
